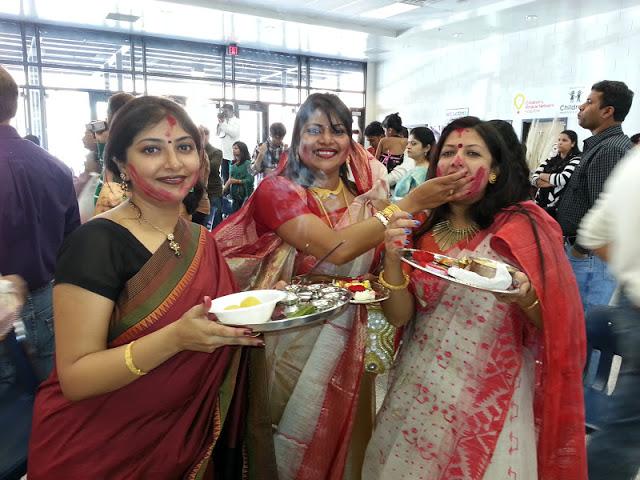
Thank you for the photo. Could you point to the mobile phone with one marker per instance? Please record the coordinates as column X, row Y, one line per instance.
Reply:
column 97, row 126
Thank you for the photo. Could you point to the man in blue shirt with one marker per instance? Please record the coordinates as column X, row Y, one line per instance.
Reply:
column 38, row 209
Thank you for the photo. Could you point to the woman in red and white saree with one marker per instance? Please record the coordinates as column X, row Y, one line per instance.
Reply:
column 481, row 388
column 305, row 387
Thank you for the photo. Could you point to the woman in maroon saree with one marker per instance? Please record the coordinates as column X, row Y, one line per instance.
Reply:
column 159, row 408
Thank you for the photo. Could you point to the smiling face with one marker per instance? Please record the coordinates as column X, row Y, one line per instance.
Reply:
column 163, row 163
column 324, row 143
column 464, row 148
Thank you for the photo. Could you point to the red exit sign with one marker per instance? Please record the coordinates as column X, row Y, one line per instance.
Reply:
column 232, row 50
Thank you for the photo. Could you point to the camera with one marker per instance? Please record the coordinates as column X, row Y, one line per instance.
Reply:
column 97, row 126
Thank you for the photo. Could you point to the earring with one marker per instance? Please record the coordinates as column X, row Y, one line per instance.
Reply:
column 493, row 177
column 124, row 186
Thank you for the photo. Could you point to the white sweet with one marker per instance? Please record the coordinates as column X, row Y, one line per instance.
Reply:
column 502, row 280
column 364, row 296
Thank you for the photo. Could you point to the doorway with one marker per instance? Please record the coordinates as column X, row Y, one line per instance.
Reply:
column 254, row 123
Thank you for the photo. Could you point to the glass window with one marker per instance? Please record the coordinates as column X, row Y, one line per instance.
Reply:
column 246, row 92
column 292, row 96
column 271, row 94
column 84, row 79
column 266, row 67
column 10, row 42
column 172, row 57
column 185, row 87
column 81, row 48
column 336, row 74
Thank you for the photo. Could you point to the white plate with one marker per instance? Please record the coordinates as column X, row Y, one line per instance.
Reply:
column 407, row 257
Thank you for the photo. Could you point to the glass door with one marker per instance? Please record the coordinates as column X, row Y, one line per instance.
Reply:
column 254, row 123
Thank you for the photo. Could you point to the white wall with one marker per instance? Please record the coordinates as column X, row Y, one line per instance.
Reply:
column 423, row 80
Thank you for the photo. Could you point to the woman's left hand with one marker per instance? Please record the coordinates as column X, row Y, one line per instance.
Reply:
column 525, row 296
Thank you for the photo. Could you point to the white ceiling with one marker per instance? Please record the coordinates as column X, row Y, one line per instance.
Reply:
column 321, row 27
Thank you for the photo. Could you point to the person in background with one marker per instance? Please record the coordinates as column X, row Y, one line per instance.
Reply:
column 240, row 182
column 405, row 132
column 609, row 230
column 373, row 133
column 228, row 130
column 140, row 366
column 390, row 150
column 89, row 142
column 39, row 210
column 113, row 193
column 91, row 167
column 33, row 138
column 421, row 141
column 552, row 174
column 268, row 155
column 635, row 139
column 482, row 381
column 603, row 112
column 214, row 184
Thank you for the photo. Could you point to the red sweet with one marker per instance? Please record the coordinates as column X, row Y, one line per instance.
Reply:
column 357, row 288
column 423, row 257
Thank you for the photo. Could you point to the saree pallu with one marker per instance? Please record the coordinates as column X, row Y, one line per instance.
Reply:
column 477, row 392
column 304, row 388
column 162, row 425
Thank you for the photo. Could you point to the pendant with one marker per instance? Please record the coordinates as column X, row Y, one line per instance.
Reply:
column 173, row 245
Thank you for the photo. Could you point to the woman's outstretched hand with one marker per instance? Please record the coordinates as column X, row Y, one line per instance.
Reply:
column 437, row 191
column 195, row 331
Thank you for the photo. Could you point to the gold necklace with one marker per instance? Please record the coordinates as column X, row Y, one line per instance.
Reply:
column 319, row 199
column 173, row 245
column 446, row 235
column 325, row 193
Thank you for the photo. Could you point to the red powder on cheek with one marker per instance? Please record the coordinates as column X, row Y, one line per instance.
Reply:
column 479, row 182
column 149, row 190
column 439, row 171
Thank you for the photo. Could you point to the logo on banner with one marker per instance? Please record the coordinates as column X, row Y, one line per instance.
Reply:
column 518, row 101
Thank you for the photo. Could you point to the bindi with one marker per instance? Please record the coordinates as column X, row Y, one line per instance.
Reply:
column 460, row 145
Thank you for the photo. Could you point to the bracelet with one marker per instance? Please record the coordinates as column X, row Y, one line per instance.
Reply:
column 380, row 216
column 532, row 305
column 384, row 283
column 390, row 210
column 128, row 359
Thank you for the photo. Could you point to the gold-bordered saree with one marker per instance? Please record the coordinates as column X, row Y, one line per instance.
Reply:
column 165, row 424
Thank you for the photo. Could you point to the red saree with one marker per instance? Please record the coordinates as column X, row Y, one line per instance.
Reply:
column 165, row 424
column 301, row 426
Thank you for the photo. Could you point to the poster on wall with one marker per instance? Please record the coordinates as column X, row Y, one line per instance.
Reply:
column 548, row 102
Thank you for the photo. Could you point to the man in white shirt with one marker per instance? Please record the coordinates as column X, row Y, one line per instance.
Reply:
column 612, row 229
column 229, row 131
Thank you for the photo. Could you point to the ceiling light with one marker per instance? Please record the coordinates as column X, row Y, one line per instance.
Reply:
column 390, row 10
column 531, row 18
column 121, row 17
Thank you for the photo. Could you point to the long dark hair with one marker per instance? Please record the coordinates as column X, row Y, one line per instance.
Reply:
column 139, row 114
column 426, row 137
column 244, row 152
column 329, row 104
column 511, row 187
column 393, row 121
column 573, row 136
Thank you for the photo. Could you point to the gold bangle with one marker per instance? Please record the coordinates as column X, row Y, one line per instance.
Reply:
column 128, row 359
column 390, row 210
column 532, row 305
column 385, row 284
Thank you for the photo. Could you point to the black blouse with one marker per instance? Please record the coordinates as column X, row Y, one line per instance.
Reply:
column 100, row 256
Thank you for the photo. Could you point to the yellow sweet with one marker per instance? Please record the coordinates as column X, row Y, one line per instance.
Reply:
column 250, row 302
column 247, row 302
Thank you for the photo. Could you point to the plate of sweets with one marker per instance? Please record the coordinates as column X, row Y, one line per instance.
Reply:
column 276, row 310
column 474, row 272
column 364, row 289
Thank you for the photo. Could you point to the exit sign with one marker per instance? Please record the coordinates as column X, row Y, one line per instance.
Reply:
column 232, row 50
